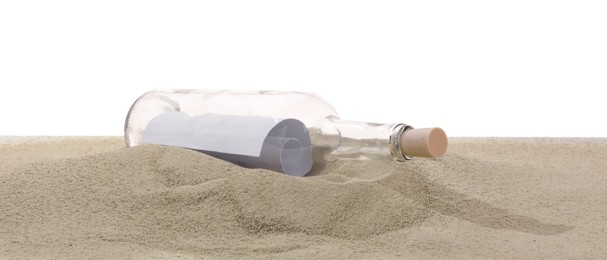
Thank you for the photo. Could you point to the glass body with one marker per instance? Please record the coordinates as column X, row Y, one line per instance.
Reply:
column 331, row 137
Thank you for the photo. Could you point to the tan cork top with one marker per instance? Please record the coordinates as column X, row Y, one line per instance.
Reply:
column 424, row 142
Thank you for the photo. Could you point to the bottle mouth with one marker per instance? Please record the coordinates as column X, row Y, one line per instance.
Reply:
column 395, row 144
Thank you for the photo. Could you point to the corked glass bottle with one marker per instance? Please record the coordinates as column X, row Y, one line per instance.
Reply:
column 226, row 120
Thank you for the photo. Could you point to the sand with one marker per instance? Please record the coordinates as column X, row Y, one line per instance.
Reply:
column 90, row 197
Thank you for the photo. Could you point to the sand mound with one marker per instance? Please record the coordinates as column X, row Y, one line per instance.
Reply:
column 152, row 194
column 91, row 198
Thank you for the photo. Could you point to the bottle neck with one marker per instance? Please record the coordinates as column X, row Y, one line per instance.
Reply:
column 361, row 140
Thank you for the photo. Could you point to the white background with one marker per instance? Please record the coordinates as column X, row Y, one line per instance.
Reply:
column 475, row 68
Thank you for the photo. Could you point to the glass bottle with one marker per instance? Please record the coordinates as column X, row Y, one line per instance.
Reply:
column 330, row 138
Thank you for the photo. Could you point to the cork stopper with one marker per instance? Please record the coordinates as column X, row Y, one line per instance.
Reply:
column 424, row 142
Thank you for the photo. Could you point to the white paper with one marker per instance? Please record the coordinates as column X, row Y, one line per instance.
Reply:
column 257, row 142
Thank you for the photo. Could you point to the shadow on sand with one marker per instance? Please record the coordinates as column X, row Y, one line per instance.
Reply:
column 413, row 184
